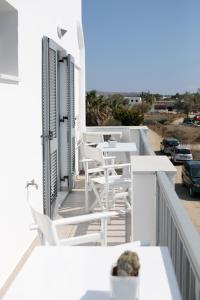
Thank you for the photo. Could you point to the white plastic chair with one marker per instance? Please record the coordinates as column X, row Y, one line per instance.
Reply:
column 94, row 156
column 91, row 138
column 111, row 186
column 47, row 228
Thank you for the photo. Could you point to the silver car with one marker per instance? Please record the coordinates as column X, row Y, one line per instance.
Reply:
column 181, row 153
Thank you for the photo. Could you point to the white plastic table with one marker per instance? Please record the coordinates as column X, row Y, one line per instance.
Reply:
column 82, row 273
column 120, row 147
column 112, row 133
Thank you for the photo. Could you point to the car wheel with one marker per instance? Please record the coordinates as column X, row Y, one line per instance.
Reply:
column 183, row 183
column 191, row 192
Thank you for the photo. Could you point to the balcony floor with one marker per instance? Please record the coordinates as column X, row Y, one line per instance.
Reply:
column 74, row 206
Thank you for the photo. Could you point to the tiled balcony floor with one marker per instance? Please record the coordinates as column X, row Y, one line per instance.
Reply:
column 74, row 205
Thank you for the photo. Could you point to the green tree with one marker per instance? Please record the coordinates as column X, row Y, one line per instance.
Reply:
column 148, row 97
column 97, row 109
column 128, row 116
column 115, row 101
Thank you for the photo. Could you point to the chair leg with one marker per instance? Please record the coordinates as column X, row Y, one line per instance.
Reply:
column 86, row 188
column 98, row 199
column 104, row 228
column 86, row 198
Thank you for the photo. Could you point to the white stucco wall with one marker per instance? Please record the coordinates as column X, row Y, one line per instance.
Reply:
column 21, row 117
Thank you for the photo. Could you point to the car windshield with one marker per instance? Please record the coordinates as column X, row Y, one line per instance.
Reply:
column 195, row 172
column 183, row 151
column 173, row 143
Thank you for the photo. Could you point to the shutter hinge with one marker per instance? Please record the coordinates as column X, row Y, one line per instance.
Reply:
column 47, row 136
column 62, row 56
column 63, row 178
column 63, row 119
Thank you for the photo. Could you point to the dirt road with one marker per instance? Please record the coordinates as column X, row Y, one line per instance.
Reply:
column 192, row 205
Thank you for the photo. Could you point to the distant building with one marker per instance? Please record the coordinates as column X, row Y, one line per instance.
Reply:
column 134, row 100
column 164, row 105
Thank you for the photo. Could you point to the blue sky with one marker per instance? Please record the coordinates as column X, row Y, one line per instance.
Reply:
column 141, row 45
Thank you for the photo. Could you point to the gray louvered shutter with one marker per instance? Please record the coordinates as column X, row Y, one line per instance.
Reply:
column 71, row 121
column 50, row 125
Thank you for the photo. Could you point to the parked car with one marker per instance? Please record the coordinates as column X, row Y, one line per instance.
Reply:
column 188, row 121
column 181, row 153
column 191, row 176
column 167, row 145
column 196, row 118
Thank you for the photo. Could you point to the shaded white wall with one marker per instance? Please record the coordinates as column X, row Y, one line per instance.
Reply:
column 8, row 43
column 21, row 118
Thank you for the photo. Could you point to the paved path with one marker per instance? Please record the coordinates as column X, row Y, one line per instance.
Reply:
column 192, row 205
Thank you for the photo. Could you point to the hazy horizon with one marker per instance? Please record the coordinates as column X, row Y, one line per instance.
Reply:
column 142, row 45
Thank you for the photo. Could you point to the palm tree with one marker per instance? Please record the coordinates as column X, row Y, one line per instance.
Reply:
column 97, row 109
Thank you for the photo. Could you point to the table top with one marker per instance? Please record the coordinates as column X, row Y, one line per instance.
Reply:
column 105, row 132
column 83, row 273
column 120, row 147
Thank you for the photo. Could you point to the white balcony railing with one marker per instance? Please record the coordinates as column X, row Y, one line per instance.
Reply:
column 175, row 230
column 128, row 133
column 145, row 148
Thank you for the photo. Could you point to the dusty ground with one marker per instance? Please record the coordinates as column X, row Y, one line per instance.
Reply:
column 192, row 205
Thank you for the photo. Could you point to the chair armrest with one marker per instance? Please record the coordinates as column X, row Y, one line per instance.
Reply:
column 86, row 160
column 116, row 166
column 85, row 218
column 95, row 170
column 109, row 157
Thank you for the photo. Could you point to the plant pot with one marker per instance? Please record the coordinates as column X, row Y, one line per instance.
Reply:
column 124, row 287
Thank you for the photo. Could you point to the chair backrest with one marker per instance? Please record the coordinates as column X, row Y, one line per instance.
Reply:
column 93, row 138
column 45, row 227
column 94, row 153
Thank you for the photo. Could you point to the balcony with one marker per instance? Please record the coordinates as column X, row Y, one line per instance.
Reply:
column 163, row 223
column 173, row 227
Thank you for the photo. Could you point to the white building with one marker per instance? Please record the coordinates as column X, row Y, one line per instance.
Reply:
column 134, row 100
column 29, row 40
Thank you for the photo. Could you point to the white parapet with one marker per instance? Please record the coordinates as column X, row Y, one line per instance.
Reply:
column 144, row 168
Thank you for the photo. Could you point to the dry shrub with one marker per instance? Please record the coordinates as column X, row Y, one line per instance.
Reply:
column 159, row 129
column 196, row 154
column 185, row 134
column 160, row 117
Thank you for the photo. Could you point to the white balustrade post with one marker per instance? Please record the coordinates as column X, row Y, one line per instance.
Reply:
column 143, row 221
column 143, row 194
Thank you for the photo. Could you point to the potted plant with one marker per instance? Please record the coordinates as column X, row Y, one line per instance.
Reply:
column 124, row 279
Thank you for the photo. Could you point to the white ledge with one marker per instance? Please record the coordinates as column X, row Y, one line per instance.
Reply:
column 6, row 78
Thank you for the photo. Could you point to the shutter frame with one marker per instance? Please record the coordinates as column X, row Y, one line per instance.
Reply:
column 50, row 125
column 45, row 126
column 71, row 120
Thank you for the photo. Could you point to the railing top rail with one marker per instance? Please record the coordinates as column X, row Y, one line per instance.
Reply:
column 188, row 233
column 114, row 128
column 145, row 143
